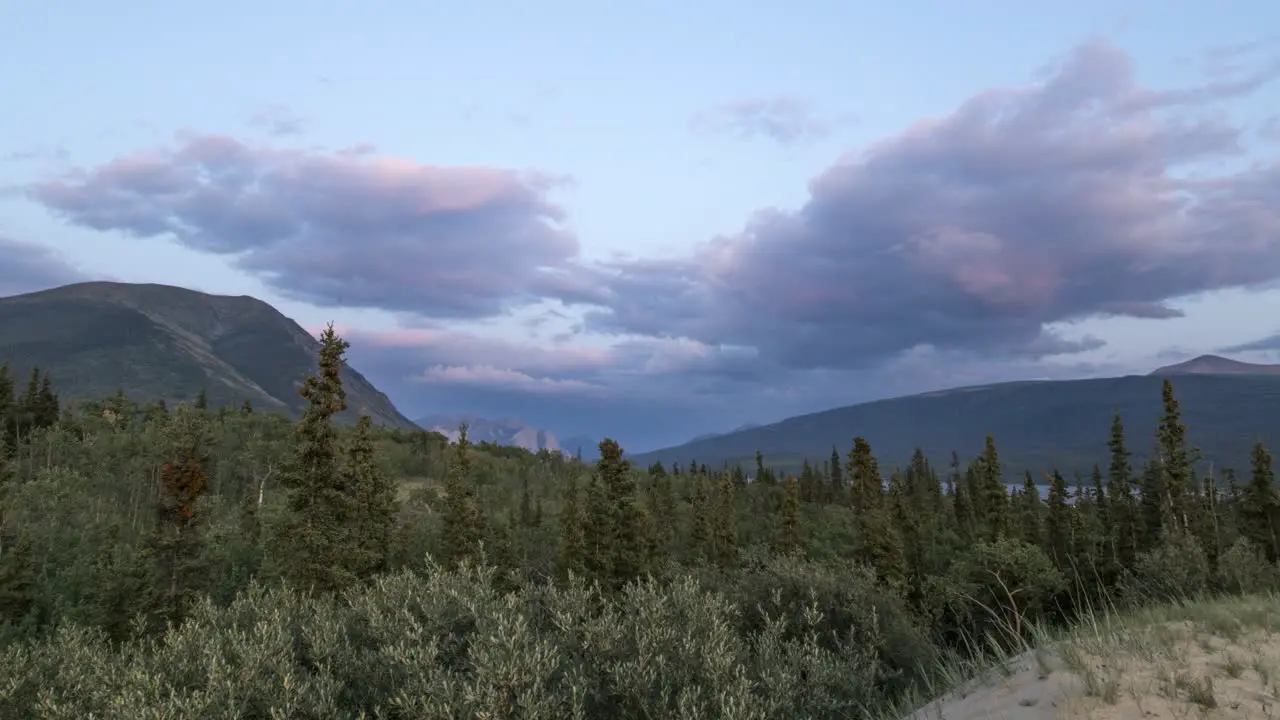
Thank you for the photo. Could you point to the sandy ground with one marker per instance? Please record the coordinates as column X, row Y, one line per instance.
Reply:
column 1210, row 660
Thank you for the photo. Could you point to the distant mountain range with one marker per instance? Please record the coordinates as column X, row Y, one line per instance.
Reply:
column 1227, row 405
column 512, row 433
column 161, row 342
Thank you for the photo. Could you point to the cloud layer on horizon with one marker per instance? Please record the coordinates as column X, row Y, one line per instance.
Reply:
column 28, row 267
column 952, row 252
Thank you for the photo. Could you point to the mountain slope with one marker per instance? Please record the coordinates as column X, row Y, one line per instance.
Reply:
column 163, row 342
column 1037, row 425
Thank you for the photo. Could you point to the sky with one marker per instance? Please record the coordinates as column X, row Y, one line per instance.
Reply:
column 654, row 220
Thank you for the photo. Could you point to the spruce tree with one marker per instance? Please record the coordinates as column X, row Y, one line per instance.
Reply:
column 461, row 529
column 46, row 409
column 597, row 531
column 526, row 503
column 866, row 486
column 177, row 539
column 700, row 521
column 835, row 486
column 572, row 551
column 664, row 513
column 1151, row 507
column 724, row 526
column 1057, row 523
column 8, row 409
column 1031, row 510
column 315, row 537
column 375, row 503
column 995, row 495
column 1122, row 509
column 625, row 532
column 1176, row 462
column 1260, row 504
column 787, row 539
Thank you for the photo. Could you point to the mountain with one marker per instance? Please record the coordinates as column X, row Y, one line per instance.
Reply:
column 1037, row 424
column 1215, row 365
column 162, row 342
column 500, row 432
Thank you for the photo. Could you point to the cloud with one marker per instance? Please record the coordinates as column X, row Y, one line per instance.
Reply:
column 32, row 154
column 1266, row 344
column 783, row 119
column 1025, row 208
column 28, row 267
column 278, row 120
column 1269, row 129
column 342, row 229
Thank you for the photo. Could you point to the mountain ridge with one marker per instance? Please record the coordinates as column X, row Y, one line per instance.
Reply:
column 1037, row 424
column 166, row 342
column 1215, row 365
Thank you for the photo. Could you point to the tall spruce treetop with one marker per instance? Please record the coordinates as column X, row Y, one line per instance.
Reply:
column 320, row 504
column 461, row 531
column 866, row 486
column 626, row 556
column 375, row 500
column 1175, row 460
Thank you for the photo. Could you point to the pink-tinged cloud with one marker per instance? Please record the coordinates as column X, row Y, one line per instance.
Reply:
column 493, row 378
column 342, row 229
column 1084, row 194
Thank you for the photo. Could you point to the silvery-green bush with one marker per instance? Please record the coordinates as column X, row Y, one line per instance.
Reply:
column 445, row 644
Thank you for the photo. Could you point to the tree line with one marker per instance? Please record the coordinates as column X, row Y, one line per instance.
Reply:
column 192, row 561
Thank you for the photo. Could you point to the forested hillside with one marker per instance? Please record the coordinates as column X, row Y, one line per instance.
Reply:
column 1040, row 424
column 220, row 562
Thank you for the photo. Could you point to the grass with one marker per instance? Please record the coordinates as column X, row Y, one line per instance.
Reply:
column 1212, row 658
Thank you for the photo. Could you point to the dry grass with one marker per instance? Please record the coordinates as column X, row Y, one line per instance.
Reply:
column 1206, row 659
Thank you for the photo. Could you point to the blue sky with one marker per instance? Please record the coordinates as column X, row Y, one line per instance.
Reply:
column 920, row 159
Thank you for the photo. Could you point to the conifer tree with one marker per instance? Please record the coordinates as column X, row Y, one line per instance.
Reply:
column 866, row 486
column 962, row 508
column 1099, row 497
column 597, row 530
column 1123, row 519
column 375, row 503
column 1176, row 462
column 787, row 540
column 724, row 530
column 835, row 491
column 995, row 495
column 1057, row 523
column 700, row 521
column 572, row 551
column 315, row 538
column 1030, row 516
column 177, row 539
column 8, row 410
column 46, row 410
column 1151, row 507
column 625, row 537
column 664, row 513
column 526, row 503
column 461, row 529
column 1260, row 505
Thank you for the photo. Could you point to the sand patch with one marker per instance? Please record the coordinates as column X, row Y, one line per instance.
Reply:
column 1201, row 660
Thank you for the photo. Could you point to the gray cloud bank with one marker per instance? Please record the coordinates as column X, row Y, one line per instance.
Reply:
column 960, row 241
